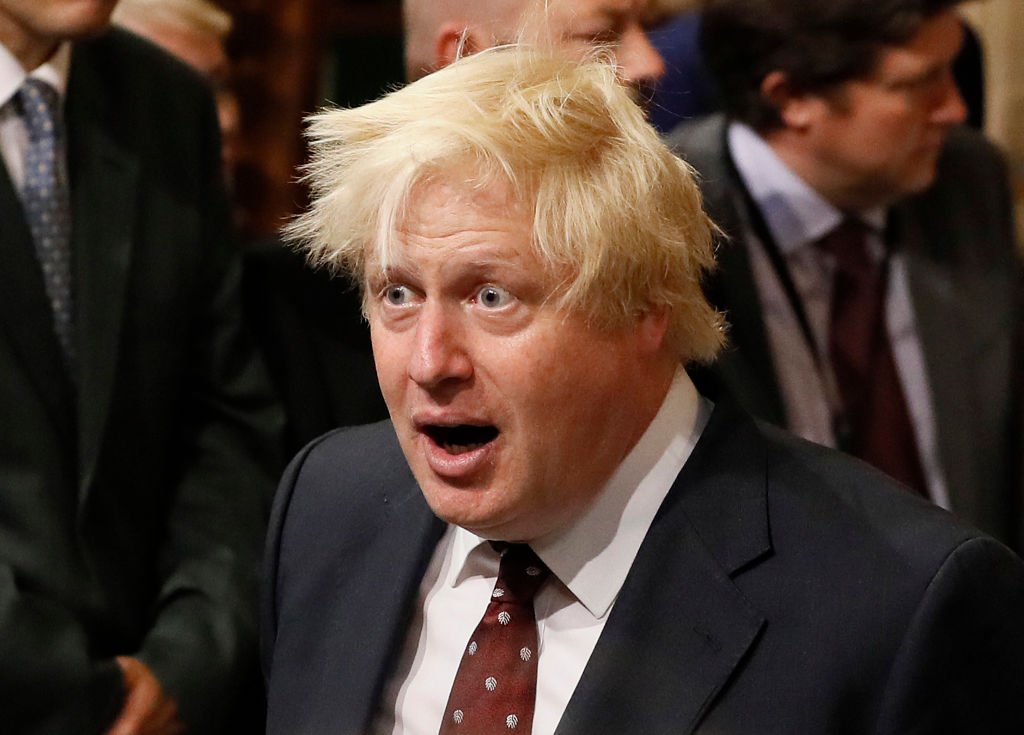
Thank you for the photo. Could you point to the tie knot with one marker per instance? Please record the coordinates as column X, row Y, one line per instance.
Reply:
column 848, row 241
column 520, row 574
column 848, row 244
column 40, row 105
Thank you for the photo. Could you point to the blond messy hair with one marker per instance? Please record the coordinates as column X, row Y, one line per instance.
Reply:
column 617, row 218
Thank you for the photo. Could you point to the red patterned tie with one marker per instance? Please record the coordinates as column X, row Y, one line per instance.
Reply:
column 496, row 685
column 876, row 424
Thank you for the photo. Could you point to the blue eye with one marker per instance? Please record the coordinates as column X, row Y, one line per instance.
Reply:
column 493, row 297
column 396, row 295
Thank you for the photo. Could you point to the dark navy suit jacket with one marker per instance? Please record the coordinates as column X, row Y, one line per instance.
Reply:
column 782, row 588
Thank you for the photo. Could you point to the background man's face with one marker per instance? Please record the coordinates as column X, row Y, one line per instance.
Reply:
column 879, row 138
column 27, row 26
column 579, row 25
column 511, row 413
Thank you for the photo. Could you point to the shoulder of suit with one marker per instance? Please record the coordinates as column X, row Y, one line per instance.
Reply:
column 843, row 492
column 698, row 141
column 970, row 159
column 124, row 58
column 368, row 454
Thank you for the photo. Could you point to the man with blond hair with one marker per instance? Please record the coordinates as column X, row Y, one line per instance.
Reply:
column 555, row 532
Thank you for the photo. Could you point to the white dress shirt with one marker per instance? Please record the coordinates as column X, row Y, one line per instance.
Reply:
column 13, row 133
column 797, row 216
column 589, row 562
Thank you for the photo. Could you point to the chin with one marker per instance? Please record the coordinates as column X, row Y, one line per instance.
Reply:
column 90, row 18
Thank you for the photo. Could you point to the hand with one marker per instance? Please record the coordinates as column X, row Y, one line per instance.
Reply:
column 147, row 709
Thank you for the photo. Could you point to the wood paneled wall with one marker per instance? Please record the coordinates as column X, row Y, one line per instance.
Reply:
column 284, row 56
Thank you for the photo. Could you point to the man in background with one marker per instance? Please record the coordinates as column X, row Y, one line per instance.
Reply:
column 137, row 438
column 555, row 532
column 438, row 31
column 196, row 32
column 869, row 272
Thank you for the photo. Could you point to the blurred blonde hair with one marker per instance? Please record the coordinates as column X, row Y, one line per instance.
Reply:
column 617, row 218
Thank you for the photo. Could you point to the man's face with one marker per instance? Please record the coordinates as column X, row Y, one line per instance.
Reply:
column 31, row 29
column 878, row 139
column 579, row 25
column 511, row 413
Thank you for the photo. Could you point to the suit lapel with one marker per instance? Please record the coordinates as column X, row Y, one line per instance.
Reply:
column 103, row 176
column 958, row 323
column 662, row 671
column 745, row 368
column 25, row 313
column 401, row 551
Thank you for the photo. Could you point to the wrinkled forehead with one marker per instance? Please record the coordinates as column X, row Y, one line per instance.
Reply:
column 444, row 209
column 554, row 20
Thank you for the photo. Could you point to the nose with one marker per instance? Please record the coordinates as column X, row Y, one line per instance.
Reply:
column 640, row 62
column 438, row 356
column 950, row 108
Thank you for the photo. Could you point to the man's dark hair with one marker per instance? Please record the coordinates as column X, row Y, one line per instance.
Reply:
column 818, row 44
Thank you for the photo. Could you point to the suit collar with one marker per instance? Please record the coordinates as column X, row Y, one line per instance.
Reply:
column 593, row 556
column 25, row 313
column 104, row 174
column 746, row 365
column 401, row 540
column 712, row 526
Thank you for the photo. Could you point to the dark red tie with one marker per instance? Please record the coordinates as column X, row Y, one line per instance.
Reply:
column 875, row 424
column 496, row 686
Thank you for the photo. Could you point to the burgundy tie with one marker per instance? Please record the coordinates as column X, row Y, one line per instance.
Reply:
column 875, row 424
column 496, row 685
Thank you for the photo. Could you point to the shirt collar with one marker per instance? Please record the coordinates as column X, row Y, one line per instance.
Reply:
column 796, row 215
column 593, row 556
column 54, row 71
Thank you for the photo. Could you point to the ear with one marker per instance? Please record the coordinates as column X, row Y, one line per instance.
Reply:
column 454, row 40
column 651, row 329
column 797, row 109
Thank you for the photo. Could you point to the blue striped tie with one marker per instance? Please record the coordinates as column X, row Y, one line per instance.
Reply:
column 45, row 196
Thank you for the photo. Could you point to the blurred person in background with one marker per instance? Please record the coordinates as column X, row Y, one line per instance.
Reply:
column 869, row 271
column 438, row 31
column 195, row 31
column 686, row 90
column 138, row 439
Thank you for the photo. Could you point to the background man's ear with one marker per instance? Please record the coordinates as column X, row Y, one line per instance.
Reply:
column 454, row 39
column 794, row 107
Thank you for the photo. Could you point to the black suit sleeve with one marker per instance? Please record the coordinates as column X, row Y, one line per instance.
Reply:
column 202, row 643
column 960, row 667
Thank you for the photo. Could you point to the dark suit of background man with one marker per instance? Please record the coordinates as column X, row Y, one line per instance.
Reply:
column 135, row 466
column 705, row 573
column 848, row 109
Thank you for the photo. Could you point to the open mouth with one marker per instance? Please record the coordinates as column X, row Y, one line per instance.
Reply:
column 460, row 438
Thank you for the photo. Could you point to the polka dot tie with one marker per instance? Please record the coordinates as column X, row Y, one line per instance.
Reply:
column 45, row 196
column 496, row 685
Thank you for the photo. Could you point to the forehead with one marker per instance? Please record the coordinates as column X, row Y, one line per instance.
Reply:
column 439, row 205
column 448, row 215
column 559, row 16
column 934, row 46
